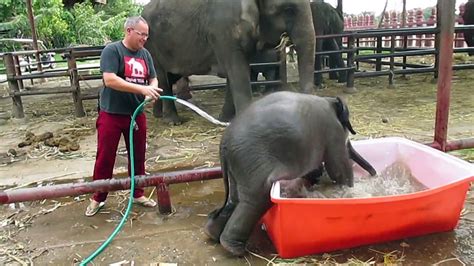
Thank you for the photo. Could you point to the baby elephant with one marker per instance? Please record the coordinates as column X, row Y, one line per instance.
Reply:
column 282, row 136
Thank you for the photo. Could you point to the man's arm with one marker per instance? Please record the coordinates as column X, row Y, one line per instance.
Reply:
column 154, row 82
column 113, row 81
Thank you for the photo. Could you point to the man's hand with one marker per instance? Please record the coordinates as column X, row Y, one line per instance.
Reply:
column 152, row 92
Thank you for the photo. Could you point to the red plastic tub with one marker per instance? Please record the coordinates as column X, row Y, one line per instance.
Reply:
column 305, row 226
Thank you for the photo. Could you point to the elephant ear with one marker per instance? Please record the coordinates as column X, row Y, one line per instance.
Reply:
column 342, row 112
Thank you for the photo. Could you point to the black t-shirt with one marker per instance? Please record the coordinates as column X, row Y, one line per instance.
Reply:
column 132, row 66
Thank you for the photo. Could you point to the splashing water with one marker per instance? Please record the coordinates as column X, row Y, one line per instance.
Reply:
column 202, row 113
column 396, row 179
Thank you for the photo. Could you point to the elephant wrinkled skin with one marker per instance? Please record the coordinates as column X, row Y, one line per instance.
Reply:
column 282, row 136
column 197, row 37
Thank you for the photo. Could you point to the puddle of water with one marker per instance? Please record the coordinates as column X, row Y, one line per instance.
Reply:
column 396, row 179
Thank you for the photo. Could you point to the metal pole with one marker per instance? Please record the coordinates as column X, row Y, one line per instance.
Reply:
column 445, row 72
column 350, row 63
column 31, row 18
column 75, row 189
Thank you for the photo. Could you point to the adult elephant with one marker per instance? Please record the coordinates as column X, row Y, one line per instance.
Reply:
column 282, row 136
column 468, row 18
column 327, row 20
column 219, row 36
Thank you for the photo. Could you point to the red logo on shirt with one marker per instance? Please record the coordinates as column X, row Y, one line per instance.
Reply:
column 136, row 70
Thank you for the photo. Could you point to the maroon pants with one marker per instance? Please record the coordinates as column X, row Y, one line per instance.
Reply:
column 110, row 127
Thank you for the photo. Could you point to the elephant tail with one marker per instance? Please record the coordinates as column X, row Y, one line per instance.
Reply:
column 354, row 155
column 225, row 177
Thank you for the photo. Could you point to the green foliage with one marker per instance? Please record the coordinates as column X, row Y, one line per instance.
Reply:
column 11, row 8
column 51, row 26
column 57, row 26
column 87, row 25
column 120, row 8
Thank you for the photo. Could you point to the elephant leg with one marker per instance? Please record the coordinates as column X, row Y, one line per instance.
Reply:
column 293, row 188
column 218, row 218
column 318, row 78
column 242, row 222
column 337, row 163
column 170, row 114
column 336, row 61
column 238, row 76
column 163, row 84
column 314, row 176
column 271, row 75
column 228, row 109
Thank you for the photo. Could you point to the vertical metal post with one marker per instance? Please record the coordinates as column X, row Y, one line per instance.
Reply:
column 13, row 84
column 75, row 87
column 392, row 60
column 378, row 61
column 405, row 37
column 445, row 71
column 164, row 200
column 350, row 63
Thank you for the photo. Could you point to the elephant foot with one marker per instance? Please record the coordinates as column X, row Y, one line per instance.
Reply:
column 314, row 176
column 350, row 90
column 172, row 119
column 186, row 95
column 157, row 109
column 226, row 117
column 236, row 248
column 213, row 229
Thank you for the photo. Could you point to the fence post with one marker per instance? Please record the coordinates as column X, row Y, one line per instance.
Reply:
column 74, row 79
column 16, row 62
column 13, row 85
column 350, row 63
column 392, row 60
column 378, row 61
column 446, row 32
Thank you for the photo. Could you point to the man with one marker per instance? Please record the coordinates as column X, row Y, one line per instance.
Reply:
column 128, row 75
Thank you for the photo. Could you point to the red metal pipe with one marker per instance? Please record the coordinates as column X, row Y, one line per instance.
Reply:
column 460, row 144
column 445, row 37
column 454, row 145
column 75, row 189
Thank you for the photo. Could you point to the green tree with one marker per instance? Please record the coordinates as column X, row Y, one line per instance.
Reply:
column 86, row 24
column 10, row 8
column 51, row 24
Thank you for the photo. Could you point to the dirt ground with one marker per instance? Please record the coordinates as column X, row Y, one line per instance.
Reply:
column 57, row 232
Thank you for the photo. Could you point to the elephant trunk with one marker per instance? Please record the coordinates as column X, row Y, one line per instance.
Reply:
column 303, row 38
column 354, row 155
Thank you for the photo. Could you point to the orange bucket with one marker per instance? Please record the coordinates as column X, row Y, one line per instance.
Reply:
column 305, row 226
